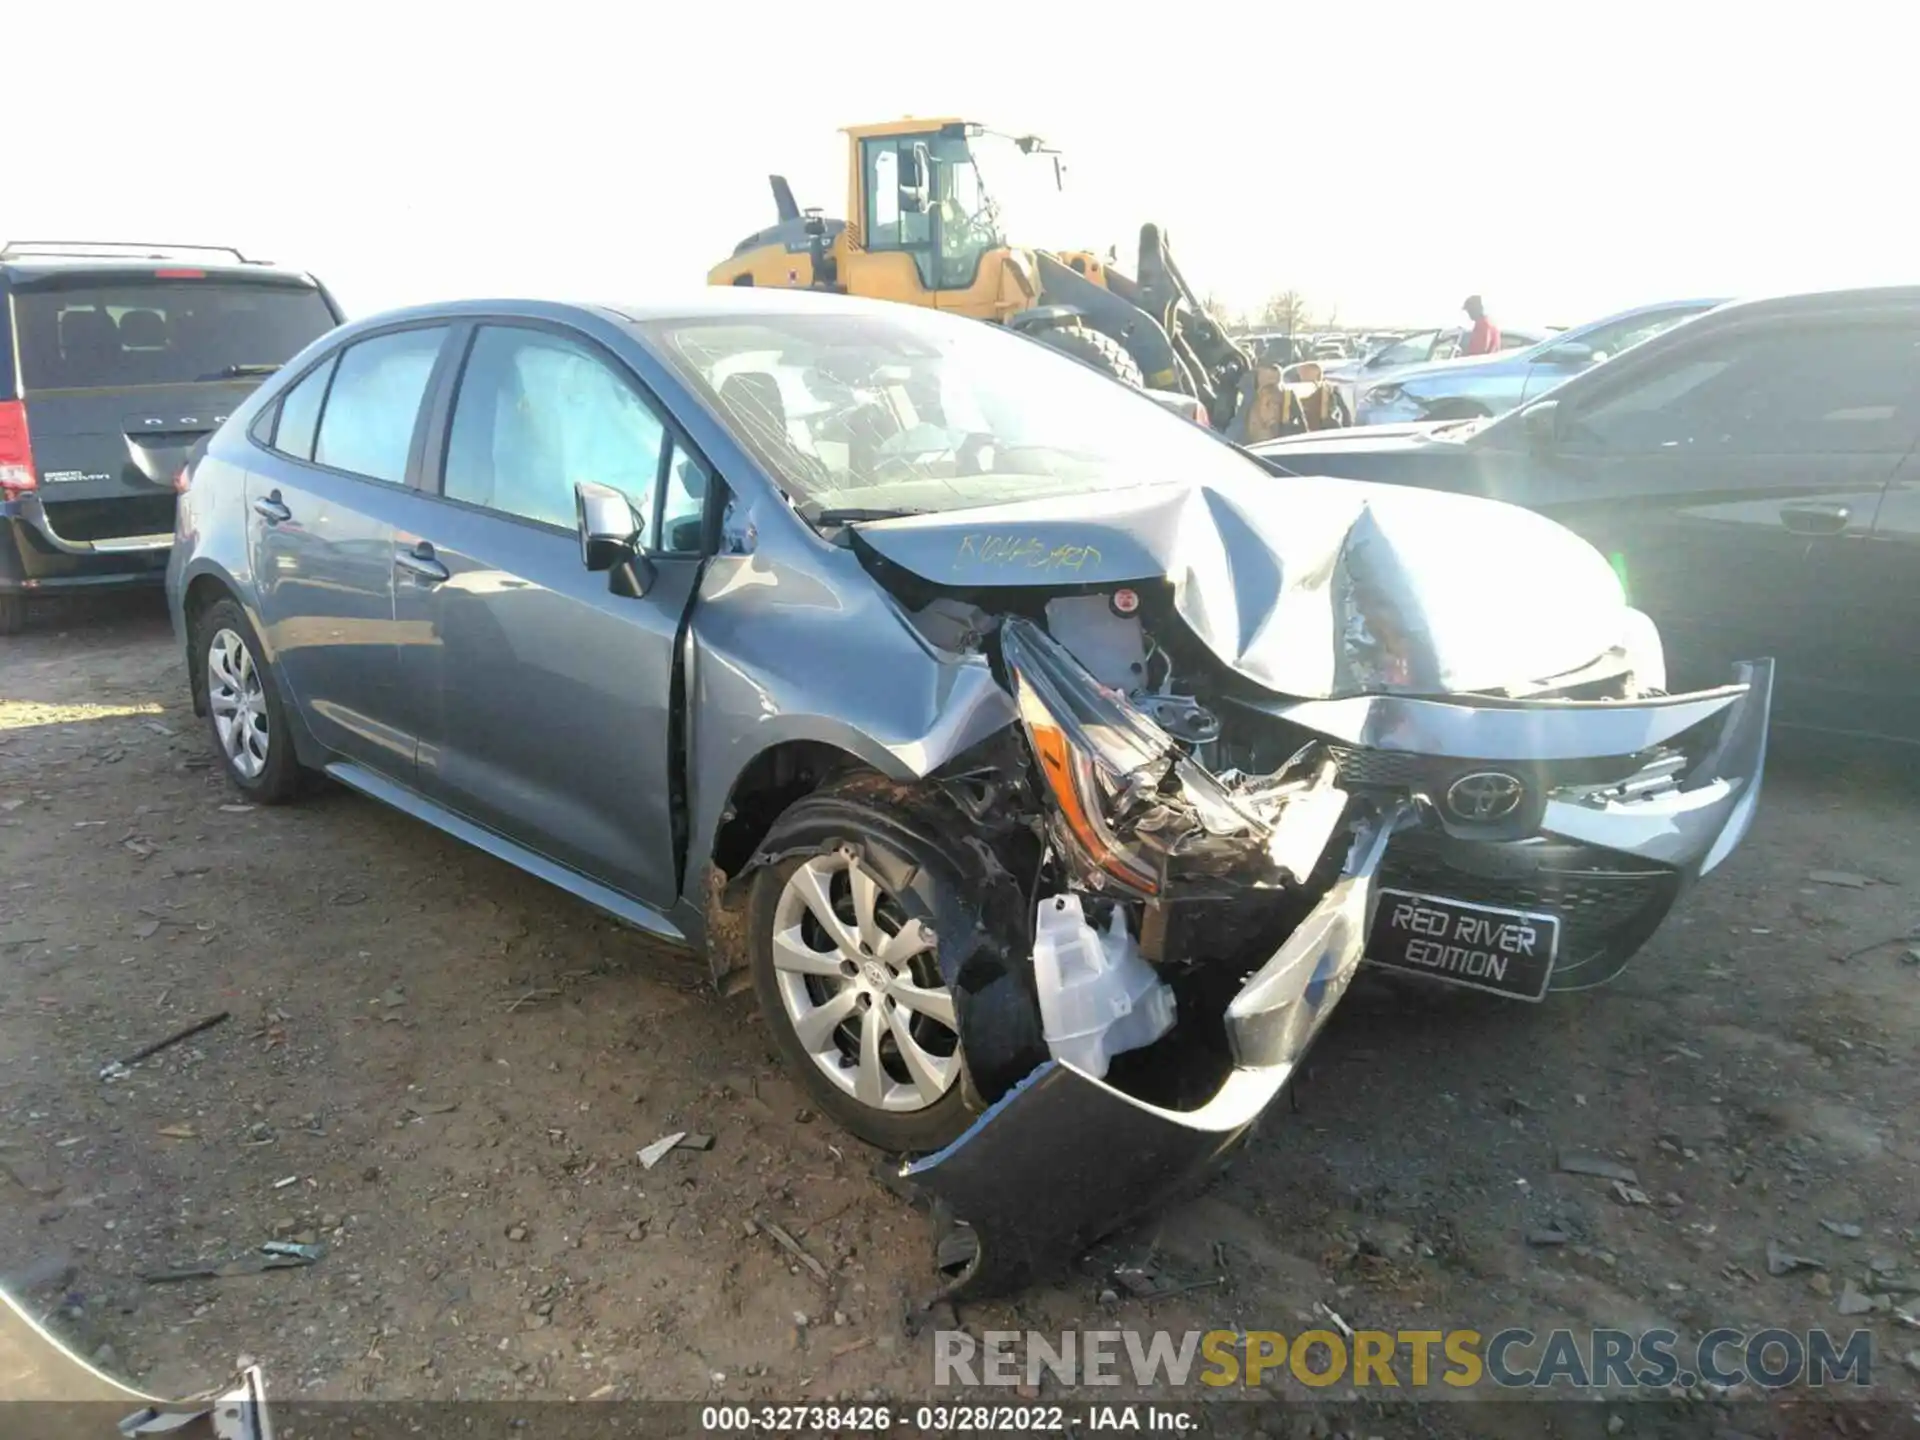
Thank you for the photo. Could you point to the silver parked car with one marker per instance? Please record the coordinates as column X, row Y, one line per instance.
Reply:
column 1423, row 347
column 1049, row 765
column 1484, row 385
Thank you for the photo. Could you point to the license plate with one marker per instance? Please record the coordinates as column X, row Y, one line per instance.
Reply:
column 1483, row 947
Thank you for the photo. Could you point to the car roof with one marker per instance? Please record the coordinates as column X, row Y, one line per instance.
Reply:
column 37, row 267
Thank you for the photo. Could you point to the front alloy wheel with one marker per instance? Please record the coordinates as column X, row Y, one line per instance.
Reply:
column 860, row 984
column 844, row 937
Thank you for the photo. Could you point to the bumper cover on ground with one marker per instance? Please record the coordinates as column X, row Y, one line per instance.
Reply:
column 1063, row 1159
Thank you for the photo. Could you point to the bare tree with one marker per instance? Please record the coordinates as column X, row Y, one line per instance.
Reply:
column 1285, row 310
column 1224, row 316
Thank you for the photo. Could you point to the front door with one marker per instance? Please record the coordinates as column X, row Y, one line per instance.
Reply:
column 549, row 699
column 1736, row 485
column 321, row 508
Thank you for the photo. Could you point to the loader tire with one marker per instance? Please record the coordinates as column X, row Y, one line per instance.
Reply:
column 1101, row 352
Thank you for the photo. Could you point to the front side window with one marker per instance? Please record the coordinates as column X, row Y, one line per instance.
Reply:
column 536, row 414
column 920, row 412
column 1837, row 388
column 373, row 405
column 1414, row 350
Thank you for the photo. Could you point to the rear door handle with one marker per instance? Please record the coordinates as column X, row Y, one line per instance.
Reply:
column 419, row 562
column 1815, row 517
column 272, row 509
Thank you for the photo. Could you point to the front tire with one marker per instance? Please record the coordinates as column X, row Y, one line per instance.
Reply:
column 845, row 957
column 242, row 704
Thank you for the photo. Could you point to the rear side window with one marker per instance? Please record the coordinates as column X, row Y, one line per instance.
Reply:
column 300, row 412
column 162, row 332
column 368, row 421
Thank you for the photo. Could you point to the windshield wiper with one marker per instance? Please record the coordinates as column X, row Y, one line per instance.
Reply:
column 852, row 515
column 234, row 372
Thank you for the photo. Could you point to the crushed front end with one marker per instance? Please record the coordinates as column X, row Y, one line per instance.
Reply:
column 1218, row 862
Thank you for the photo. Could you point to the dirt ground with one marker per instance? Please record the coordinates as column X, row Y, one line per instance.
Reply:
column 441, row 1071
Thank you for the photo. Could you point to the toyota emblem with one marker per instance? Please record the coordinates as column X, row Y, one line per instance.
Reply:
column 1485, row 795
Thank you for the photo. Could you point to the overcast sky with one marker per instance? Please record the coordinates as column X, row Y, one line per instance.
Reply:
column 1563, row 159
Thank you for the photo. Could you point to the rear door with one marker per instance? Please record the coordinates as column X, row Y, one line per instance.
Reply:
column 1879, row 640
column 123, row 372
column 549, row 700
column 1735, row 481
column 324, row 503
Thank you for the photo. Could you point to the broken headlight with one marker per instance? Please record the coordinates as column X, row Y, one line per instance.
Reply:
column 1096, row 773
column 1125, row 795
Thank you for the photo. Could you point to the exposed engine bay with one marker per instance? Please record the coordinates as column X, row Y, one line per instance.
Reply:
column 1213, row 857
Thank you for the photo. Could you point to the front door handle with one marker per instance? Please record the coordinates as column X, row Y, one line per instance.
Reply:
column 272, row 509
column 1815, row 517
column 419, row 562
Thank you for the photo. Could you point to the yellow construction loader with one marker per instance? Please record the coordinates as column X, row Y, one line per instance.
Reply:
column 929, row 222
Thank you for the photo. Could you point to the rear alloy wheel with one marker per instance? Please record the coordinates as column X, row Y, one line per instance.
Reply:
column 243, row 707
column 847, row 972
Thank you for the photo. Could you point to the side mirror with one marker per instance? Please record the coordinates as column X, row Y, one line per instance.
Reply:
column 1572, row 355
column 610, row 535
column 1541, row 424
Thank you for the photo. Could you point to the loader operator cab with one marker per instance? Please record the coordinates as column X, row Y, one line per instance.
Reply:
column 940, row 196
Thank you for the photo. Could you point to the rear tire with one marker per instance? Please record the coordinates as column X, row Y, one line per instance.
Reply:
column 13, row 614
column 241, row 698
column 1092, row 348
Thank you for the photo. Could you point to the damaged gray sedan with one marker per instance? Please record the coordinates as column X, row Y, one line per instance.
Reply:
column 1046, row 766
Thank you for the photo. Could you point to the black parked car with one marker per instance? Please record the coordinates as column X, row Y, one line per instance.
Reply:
column 115, row 360
column 1752, row 475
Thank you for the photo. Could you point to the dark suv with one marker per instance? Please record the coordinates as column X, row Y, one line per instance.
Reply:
column 115, row 360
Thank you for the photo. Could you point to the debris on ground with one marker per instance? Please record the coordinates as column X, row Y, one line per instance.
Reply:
column 1846, row 879
column 1548, row 1235
column 1855, row 1301
column 1784, row 1262
column 29, row 1176
column 1575, row 1163
column 652, row 1155
column 695, row 1142
column 177, row 1132
column 1843, row 1229
column 114, row 1069
column 1333, row 1318
column 1630, row 1194
column 794, row 1248
column 270, row 1256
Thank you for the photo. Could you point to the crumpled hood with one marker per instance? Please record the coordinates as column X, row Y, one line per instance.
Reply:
column 1311, row 587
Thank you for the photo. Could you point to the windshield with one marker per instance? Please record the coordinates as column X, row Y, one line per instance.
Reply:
column 917, row 412
column 1020, row 192
column 1414, row 350
column 163, row 332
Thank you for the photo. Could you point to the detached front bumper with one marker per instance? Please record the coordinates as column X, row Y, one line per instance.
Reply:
column 1106, row 1156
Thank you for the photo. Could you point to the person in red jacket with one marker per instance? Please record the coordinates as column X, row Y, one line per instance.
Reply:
column 1484, row 338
